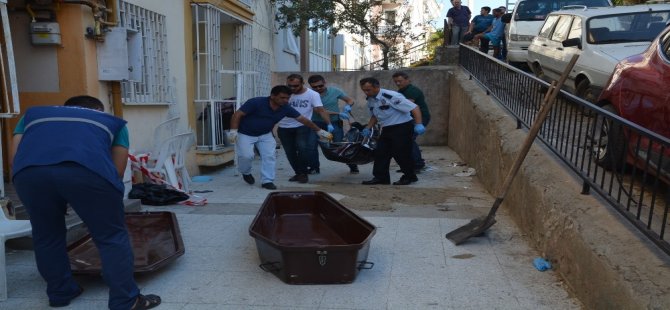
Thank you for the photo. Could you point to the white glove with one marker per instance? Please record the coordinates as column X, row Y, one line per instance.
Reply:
column 232, row 135
column 324, row 135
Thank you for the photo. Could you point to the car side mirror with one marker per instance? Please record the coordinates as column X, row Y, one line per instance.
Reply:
column 573, row 42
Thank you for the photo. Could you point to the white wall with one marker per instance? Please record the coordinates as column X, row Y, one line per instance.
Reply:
column 143, row 119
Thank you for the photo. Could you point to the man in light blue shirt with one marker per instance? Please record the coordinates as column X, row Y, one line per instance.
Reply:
column 495, row 32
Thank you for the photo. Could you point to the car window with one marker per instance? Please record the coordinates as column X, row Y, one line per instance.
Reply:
column 548, row 26
column 538, row 9
column 628, row 27
column 576, row 30
column 665, row 45
column 562, row 28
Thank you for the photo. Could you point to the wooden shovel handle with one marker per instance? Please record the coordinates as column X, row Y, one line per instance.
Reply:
column 547, row 103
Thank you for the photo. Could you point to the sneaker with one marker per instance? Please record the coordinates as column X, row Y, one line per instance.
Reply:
column 269, row 185
column 314, row 171
column 248, row 178
column 300, row 178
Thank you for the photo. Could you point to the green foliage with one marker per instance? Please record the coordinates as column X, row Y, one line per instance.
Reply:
column 361, row 17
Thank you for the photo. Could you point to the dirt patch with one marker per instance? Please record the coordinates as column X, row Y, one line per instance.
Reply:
column 384, row 197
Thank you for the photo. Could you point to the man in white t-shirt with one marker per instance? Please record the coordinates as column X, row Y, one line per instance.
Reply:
column 294, row 136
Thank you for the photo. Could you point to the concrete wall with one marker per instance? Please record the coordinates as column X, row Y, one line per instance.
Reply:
column 433, row 81
column 605, row 261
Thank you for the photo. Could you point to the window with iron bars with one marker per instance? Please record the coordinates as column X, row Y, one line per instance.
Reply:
column 150, row 83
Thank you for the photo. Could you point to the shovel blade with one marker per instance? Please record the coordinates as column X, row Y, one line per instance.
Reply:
column 474, row 228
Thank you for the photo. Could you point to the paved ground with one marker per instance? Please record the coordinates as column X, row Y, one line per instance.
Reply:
column 415, row 266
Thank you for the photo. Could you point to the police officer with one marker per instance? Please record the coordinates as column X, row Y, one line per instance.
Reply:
column 393, row 112
column 76, row 154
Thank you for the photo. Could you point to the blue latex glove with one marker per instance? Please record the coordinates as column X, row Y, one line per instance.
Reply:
column 366, row 132
column 344, row 115
column 331, row 128
column 419, row 129
column 541, row 264
column 347, row 108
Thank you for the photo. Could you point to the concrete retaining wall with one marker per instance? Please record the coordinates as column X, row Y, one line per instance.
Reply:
column 606, row 262
column 431, row 80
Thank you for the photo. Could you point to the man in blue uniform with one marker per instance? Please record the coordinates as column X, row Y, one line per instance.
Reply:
column 393, row 112
column 252, row 125
column 76, row 155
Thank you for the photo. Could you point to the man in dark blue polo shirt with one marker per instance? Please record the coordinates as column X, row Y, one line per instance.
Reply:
column 458, row 18
column 254, row 121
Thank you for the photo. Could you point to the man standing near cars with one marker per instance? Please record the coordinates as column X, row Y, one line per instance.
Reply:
column 495, row 33
column 480, row 24
column 413, row 94
column 330, row 97
column 252, row 125
column 458, row 18
column 393, row 112
column 295, row 137
column 76, row 155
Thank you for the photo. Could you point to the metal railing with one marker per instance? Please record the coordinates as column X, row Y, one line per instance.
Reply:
column 212, row 121
column 628, row 165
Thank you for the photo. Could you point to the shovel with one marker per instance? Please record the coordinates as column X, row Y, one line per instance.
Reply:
column 481, row 224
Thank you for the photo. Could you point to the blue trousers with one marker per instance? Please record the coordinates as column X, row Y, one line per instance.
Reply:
column 296, row 144
column 46, row 191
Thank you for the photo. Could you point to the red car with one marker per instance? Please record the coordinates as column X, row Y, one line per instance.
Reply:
column 639, row 91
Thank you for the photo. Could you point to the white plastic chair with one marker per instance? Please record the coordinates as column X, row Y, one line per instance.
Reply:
column 163, row 131
column 170, row 160
column 10, row 229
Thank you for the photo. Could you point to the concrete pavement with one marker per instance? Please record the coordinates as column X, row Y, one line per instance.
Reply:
column 415, row 266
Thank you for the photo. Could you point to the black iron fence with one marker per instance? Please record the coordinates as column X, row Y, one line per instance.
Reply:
column 625, row 163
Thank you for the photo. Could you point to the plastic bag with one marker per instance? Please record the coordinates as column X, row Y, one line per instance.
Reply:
column 156, row 194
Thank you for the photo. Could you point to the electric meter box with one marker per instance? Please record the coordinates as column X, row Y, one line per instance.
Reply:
column 45, row 33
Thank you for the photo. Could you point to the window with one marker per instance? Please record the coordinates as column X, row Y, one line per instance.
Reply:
column 147, row 44
column 548, row 26
column 665, row 45
column 562, row 28
column 576, row 30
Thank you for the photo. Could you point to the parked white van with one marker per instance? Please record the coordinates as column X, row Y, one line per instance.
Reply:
column 527, row 18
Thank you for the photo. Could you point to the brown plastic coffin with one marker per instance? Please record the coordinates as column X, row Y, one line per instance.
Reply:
column 155, row 238
column 310, row 238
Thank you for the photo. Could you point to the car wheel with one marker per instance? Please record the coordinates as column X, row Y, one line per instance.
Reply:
column 586, row 91
column 609, row 144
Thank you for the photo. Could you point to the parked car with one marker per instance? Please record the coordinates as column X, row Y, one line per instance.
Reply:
column 601, row 36
column 527, row 18
column 639, row 91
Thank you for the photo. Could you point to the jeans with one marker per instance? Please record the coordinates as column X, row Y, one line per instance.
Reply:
column 457, row 33
column 46, row 191
column 244, row 148
column 296, row 144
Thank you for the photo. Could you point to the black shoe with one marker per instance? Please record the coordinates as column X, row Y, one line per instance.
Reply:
column 269, row 185
column 248, row 178
column 406, row 180
column 353, row 169
column 144, row 302
column 300, row 178
column 58, row 304
column 375, row 181
column 314, row 171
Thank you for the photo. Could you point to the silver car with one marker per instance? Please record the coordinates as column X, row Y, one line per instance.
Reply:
column 601, row 36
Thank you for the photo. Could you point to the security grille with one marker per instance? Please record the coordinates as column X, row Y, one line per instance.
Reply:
column 152, row 86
